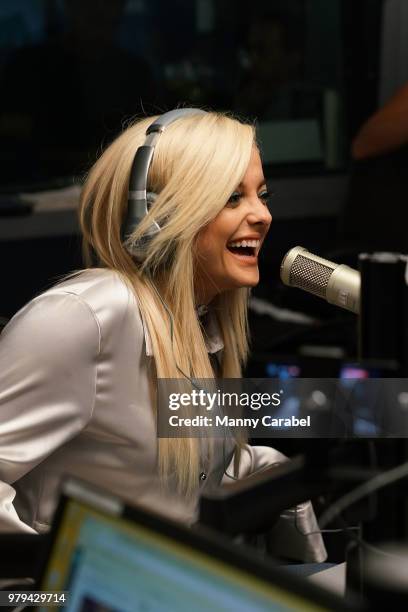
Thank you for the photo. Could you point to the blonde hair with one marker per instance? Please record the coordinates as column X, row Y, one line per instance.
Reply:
column 198, row 161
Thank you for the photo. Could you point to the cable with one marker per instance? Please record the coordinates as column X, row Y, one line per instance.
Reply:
column 368, row 546
column 373, row 461
column 374, row 484
column 348, row 530
column 224, row 461
column 320, row 531
column 299, row 333
column 197, row 387
column 170, row 315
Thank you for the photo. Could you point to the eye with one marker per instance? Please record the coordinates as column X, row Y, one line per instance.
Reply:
column 234, row 199
column 265, row 196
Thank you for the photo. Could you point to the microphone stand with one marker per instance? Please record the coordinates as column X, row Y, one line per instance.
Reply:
column 383, row 334
column 383, row 339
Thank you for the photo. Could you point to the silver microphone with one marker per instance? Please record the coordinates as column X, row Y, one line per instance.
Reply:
column 336, row 283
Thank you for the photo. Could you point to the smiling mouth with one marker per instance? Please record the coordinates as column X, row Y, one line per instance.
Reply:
column 246, row 251
column 245, row 254
column 246, row 248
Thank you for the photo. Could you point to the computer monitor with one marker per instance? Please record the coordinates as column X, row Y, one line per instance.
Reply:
column 110, row 557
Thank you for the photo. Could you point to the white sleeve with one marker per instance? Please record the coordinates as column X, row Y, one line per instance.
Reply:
column 254, row 459
column 48, row 358
column 296, row 533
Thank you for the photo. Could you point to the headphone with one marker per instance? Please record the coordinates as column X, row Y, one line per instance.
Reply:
column 139, row 199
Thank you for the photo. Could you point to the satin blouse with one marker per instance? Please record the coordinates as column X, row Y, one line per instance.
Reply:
column 74, row 399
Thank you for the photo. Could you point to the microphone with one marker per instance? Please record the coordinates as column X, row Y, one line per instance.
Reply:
column 338, row 284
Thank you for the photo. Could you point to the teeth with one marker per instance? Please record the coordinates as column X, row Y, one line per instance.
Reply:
column 246, row 243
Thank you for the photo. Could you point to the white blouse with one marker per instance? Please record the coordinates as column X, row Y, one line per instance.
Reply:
column 74, row 399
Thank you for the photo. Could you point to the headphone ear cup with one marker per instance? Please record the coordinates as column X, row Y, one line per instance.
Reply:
column 151, row 197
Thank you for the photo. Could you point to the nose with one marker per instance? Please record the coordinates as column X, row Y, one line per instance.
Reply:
column 259, row 214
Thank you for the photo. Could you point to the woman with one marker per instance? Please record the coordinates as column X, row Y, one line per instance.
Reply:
column 167, row 299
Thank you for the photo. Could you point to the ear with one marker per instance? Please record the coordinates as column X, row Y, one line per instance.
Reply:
column 151, row 197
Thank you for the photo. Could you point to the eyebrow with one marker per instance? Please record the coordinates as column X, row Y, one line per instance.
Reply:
column 261, row 184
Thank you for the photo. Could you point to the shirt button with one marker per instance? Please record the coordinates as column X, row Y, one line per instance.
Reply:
column 203, row 476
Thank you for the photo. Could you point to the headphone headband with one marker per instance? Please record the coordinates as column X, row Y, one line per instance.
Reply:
column 139, row 201
column 160, row 124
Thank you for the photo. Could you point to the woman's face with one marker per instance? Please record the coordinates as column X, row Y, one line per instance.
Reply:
column 227, row 248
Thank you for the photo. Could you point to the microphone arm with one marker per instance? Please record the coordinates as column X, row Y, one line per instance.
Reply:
column 338, row 284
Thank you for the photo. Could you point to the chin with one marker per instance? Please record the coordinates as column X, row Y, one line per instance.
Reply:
column 247, row 282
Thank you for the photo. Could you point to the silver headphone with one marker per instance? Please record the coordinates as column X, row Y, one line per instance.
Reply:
column 139, row 199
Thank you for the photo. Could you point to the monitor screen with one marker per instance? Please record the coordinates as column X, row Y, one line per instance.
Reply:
column 110, row 563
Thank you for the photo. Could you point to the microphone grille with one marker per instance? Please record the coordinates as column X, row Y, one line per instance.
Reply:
column 310, row 275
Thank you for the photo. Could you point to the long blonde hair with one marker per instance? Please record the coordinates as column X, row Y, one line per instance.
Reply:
column 198, row 161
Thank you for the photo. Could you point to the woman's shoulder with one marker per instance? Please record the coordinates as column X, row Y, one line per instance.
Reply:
column 95, row 285
column 96, row 294
column 105, row 292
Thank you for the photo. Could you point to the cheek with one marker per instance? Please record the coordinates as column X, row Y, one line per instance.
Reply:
column 208, row 246
column 202, row 247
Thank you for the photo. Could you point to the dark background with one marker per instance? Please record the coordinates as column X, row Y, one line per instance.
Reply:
column 74, row 72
